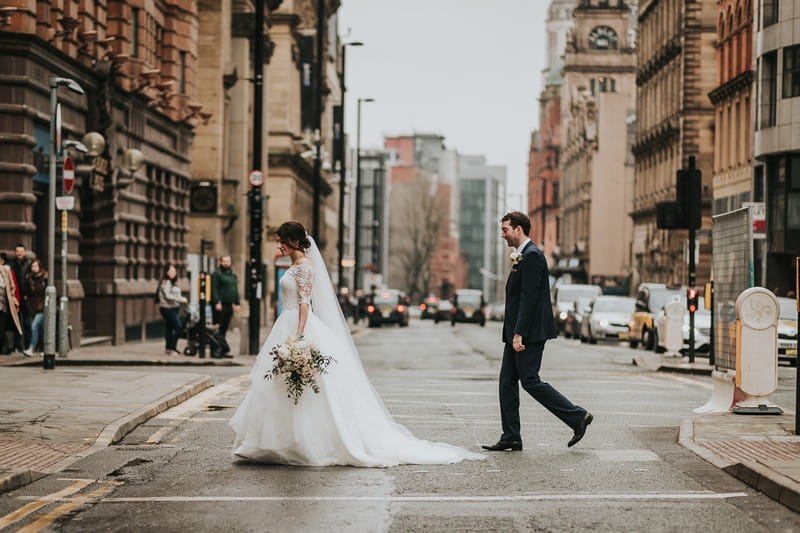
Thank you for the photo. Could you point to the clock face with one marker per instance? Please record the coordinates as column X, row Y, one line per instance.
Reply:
column 603, row 38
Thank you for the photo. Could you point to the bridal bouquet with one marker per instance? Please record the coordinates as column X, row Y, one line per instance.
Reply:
column 299, row 362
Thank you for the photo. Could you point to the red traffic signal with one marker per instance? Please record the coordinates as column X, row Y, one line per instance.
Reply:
column 68, row 175
column 692, row 295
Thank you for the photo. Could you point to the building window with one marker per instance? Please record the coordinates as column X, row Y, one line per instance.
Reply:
column 182, row 72
column 769, row 12
column 769, row 89
column 791, row 71
column 135, row 32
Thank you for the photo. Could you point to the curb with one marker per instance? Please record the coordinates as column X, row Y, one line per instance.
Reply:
column 123, row 362
column 114, row 432
column 780, row 488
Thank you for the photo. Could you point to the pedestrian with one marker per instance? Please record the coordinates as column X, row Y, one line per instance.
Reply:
column 225, row 296
column 9, row 304
column 20, row 264
column 35, row 286
column 169, row 299
column 528, row 324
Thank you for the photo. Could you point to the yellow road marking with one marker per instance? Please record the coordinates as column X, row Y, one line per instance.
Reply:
column 62, row 510
column 15, row 516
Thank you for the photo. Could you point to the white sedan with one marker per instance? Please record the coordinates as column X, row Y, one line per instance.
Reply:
column 702, row 328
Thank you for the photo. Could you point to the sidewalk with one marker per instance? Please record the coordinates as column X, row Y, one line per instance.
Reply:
column 50, row 419
column 760, row 450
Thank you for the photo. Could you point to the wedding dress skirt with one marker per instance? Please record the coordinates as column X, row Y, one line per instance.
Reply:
column 346, row 423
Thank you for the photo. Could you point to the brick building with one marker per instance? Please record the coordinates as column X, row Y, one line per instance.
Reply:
column 137, row 63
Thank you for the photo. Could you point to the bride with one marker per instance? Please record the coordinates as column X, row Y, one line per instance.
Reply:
column 346, row 423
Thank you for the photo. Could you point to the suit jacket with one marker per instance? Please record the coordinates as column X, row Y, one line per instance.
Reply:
column 528, row 309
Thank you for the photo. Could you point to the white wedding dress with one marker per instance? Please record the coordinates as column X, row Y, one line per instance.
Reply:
column 346, row 423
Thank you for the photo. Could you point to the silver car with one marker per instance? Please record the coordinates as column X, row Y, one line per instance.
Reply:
column 608, row 318
column 787, row 330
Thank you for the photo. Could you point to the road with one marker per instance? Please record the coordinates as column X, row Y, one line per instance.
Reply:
column 629, row 473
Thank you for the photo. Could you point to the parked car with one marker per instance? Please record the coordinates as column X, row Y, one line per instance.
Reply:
column 428, row 307
column 608, row 318
column 563, row 298
column 389, row 306
column 787, row 330
column 702, row 327
column 496, row 311
column 443, row 312
column 650, row 299
column 575, row 316
column 468, row 306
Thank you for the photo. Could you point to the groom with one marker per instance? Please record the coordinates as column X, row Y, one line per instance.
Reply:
column 528, row 324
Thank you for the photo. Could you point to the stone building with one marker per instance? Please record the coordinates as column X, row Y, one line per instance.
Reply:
column 598, row 104
column 545, row 148
column 676, row 71
column 290, row 182
column 776, row 140
column 733, row 132
column 137, row 63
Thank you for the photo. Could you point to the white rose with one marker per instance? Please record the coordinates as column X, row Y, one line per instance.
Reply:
column 516, row 257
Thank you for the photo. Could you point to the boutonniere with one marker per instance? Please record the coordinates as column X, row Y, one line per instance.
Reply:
column 516, row 257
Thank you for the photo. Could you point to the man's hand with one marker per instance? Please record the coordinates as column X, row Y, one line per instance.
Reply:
column 236, row 308
column 218, row 307
column 517, row 343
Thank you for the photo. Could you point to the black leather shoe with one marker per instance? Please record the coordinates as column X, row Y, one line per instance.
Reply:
column 503, row 445
column 580, row 431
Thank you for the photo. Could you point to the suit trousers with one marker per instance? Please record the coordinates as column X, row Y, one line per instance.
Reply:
column 523, row 367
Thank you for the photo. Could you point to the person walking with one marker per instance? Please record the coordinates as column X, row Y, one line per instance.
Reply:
column 20, row 265
column 168, row 296
column 35, row 286
column 224, row 295
column 9, row 303
column 527, row 326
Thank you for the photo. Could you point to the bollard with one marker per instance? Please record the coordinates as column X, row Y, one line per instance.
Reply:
column 673, row 327
column 757, row 313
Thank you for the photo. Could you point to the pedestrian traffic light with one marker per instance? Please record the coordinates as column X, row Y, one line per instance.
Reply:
column 692, row 299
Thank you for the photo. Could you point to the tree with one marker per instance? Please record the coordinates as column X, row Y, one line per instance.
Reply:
column 415, row 218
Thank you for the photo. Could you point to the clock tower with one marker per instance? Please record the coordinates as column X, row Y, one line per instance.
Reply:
column 598, row 118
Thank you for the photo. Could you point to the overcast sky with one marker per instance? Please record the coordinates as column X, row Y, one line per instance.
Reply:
column 467, row 69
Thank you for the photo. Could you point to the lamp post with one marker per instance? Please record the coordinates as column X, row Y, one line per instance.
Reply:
column 49, row 360
column 357, row 265
column 318, row 108
column 343, row 167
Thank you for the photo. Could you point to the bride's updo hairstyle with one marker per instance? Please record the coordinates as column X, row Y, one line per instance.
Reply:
column 293, row 235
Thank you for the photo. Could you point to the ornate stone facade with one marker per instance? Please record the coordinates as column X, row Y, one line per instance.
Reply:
column 136, row 61
column 676, row 71
column 597, row 110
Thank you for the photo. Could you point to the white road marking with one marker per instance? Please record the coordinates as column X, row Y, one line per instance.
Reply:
column 645, row 496
column 689, row 381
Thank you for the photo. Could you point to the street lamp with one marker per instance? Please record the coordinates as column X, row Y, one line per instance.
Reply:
column 358, row 192
column 343, row 167
column 49, row 361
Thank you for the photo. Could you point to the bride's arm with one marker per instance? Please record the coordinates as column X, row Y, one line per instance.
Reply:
column 304, row 279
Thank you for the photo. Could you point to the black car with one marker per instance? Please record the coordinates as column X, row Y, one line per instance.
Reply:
column 388, row 306
column 468, row 306
column 428, row 308
column 443, row 311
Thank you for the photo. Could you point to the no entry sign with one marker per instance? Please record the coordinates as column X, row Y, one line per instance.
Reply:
column 69, row 175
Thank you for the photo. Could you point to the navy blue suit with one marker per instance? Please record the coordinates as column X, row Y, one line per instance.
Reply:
column 529, row 313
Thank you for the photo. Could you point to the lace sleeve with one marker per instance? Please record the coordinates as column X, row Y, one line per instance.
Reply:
column 304, row 277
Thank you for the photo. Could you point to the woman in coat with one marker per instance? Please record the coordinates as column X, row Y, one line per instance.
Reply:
column 169, row 300
column 9, row 302
column 35, row 285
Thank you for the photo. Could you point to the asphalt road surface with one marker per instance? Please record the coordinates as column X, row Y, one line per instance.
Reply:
column 629, row 473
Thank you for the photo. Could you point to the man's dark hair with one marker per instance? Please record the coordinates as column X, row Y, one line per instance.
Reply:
column 19, row 245
column 518, row 219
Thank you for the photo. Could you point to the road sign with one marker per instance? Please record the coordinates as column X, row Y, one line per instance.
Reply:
column 256, row 178
column 69, row 175
column 65, row 203
column 58, row 128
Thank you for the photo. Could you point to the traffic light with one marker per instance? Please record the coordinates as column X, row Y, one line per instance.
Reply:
column 688, row 187
column 692, row 299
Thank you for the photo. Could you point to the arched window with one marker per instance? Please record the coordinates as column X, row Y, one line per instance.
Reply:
column 721, row 27
column 603, row 38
